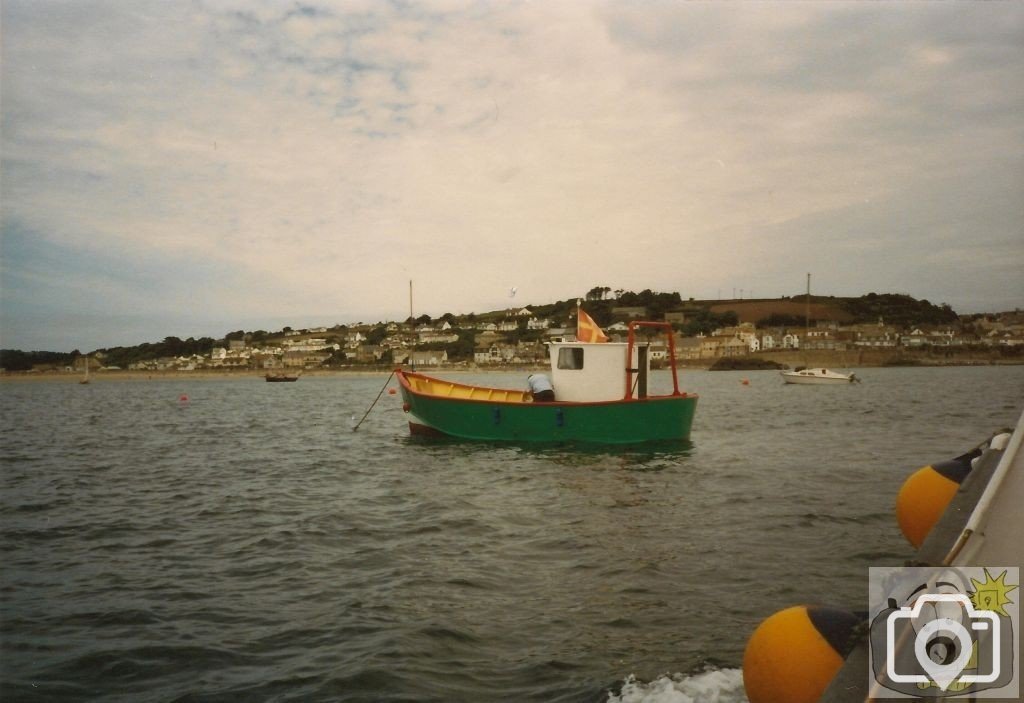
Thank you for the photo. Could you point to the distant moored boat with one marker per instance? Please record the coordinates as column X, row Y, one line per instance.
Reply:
column 281, row 378
column 818, row 376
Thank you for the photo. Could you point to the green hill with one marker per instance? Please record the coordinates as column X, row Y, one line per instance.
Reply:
column 702, row 316
column 899, row 310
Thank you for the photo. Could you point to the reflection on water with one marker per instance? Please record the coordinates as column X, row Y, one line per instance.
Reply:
column 650, row 456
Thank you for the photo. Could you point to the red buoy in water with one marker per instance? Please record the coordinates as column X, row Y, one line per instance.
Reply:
column 391, row 391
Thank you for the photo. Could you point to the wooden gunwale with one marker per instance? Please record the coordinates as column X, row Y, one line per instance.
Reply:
column 405, row 376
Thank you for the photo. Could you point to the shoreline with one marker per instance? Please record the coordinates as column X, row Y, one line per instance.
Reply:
column 829, row 360
column 248, row 374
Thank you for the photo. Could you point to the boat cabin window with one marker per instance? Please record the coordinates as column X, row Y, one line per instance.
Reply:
column 570, row 358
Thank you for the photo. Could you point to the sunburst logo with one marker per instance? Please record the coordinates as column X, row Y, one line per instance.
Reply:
column 945, row 632
column 992, row 593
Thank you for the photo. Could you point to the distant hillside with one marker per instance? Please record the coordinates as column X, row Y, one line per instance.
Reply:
column 604, row 305
column 17, row 360
column 893, row 309
column 783, row 312
column 602, row 309
column 898, row 309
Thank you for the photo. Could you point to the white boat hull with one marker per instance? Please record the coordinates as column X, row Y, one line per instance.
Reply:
column 817, row 377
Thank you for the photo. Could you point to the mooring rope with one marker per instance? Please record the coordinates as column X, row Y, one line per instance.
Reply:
column 374, row 402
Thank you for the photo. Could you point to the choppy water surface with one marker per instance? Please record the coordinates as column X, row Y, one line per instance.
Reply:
column 207, row 540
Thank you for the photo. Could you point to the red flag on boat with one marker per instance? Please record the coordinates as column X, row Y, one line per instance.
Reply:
column 586, row 329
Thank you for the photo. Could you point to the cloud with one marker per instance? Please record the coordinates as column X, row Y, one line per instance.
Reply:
column 309, row 158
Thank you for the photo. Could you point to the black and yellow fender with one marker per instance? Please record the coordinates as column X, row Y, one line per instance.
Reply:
column 794, row 654
column 924, row 496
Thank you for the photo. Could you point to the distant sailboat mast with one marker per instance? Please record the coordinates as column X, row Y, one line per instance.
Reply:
column 85, row 379
column 807, row 308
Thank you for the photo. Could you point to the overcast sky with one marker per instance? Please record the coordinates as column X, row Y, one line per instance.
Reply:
column 194, row 168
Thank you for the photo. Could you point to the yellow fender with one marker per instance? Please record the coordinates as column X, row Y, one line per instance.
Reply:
column 794, row 654
column 927, row 492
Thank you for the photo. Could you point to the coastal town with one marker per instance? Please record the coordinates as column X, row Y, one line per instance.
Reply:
column 517, row 337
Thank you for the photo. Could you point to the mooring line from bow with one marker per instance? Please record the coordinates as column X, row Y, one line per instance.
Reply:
column 374, row 401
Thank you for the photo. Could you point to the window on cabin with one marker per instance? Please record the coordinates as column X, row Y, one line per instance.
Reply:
column 570, row 358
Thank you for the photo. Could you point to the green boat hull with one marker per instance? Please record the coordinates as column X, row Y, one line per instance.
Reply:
column 619, row 422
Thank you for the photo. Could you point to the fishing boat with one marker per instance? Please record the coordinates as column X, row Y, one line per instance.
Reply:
column 818, row 376
column 601, row 396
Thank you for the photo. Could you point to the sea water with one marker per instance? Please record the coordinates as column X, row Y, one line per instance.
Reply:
column 205, row 540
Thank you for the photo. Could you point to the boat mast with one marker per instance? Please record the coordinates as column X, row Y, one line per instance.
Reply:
column 807, row 307
column 807, row 321
column 412, row 323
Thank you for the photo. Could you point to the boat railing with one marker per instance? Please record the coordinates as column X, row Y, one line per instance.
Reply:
column 667, row 329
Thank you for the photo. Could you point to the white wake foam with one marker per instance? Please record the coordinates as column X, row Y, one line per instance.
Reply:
column 712, row 686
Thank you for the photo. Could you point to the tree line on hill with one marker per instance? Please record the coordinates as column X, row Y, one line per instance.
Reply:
column 896, row 309
column 17, row 360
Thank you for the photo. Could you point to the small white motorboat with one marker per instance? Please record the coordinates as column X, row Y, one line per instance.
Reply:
column 818, row 376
